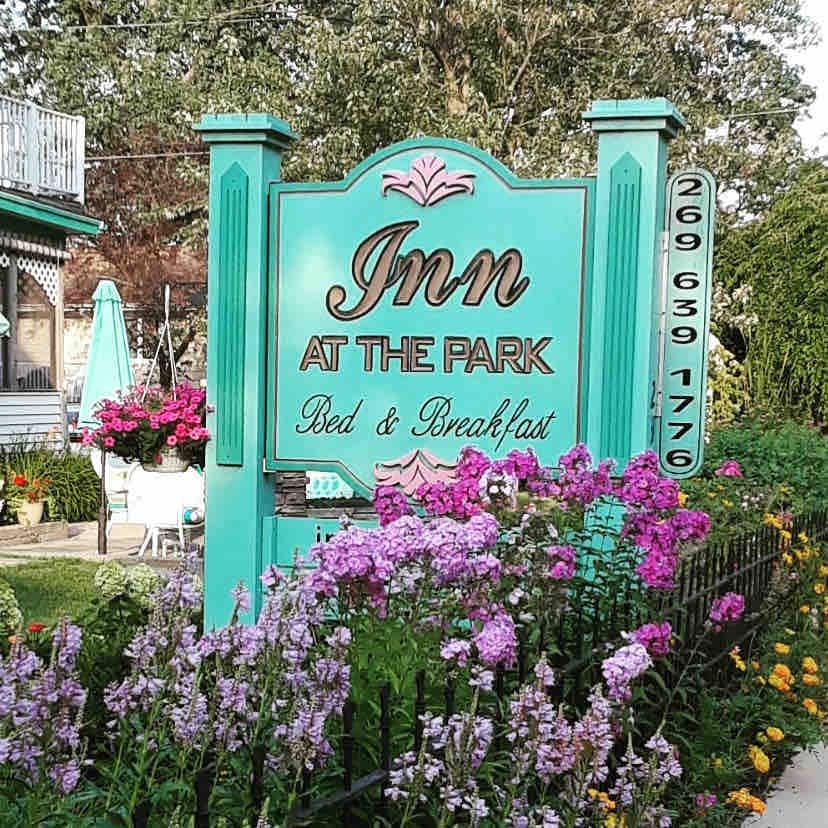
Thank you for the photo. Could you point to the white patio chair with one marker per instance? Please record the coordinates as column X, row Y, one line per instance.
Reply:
column 160, row 501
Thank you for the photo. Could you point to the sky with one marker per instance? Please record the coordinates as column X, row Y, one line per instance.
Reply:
column 815, row 62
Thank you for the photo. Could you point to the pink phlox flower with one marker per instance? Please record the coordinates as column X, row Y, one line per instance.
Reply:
column 730, row 468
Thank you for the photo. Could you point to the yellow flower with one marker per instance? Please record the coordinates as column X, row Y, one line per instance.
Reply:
column 787, row 559
column 755, row 665
column 811, row 706
column 759, row 758
column 711, row 494
column 744, row 799
column 761, row 738
column 727, row 503
column 785, row 534
column 781, row 649
column 613, row 821
column 682, row 499
column 802, row 537
column 775, row 734
column 783, row 672
column 823, row 571
column 804, row 609
column 809, row 665
column 737, row 660
column 819, row 588
column 780, row 684
column 772, row 520
column 811, row 681
column 717, row 763
column 740, row 798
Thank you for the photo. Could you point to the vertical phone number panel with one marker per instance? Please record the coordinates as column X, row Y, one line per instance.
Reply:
column 691, row 202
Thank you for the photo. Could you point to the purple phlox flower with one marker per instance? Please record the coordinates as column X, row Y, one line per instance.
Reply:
column 624, row 666
column 457, row 650
column 654, row 637
column 690, row 525
column 728, row 607
column 561, row 563
column 482, row 678
column 390, row 504
column 65, row 775
column 271, row 576
column 578, row 481
column 496, row 640
column 643, row 486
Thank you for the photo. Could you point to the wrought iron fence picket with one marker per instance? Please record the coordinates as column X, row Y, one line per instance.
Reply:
column 745, row 564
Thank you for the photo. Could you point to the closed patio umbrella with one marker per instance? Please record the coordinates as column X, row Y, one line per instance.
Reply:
column 108, row 369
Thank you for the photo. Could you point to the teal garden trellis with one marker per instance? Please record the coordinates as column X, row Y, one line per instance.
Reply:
column 374, row 326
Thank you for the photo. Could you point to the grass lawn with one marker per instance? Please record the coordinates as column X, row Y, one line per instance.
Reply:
column 47, row 590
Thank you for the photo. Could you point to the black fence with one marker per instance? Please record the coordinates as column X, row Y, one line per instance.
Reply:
column 745, row 565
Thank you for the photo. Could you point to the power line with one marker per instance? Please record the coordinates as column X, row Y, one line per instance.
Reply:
column 145, row 155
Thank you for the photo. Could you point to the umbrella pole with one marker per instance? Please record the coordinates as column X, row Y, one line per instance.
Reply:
column 102, row 509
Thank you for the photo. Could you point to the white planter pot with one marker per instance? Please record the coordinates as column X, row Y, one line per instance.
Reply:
column 30, row 514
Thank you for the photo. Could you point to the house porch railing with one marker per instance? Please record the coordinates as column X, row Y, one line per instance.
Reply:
column 41, row 151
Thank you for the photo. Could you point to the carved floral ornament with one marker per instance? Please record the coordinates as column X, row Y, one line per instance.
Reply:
column 411, row 470
column 427, row 181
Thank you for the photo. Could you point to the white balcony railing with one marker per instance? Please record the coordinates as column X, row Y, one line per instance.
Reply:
column 41, row 151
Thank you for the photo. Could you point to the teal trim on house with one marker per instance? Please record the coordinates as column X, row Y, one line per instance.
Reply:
column 55, row 218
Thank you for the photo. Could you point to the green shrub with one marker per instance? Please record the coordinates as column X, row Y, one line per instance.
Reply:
column 773, row 454
column 781, row 256
column 74, row 491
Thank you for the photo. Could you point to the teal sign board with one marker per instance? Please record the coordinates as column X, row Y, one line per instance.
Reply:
column 372, row 327
column 691, row 200
column 430, row 301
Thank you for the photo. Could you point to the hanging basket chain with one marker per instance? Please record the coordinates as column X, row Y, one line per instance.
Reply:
column 165, row 330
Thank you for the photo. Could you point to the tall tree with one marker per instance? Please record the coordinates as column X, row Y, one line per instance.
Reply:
column 512, row 76
column 783, row 258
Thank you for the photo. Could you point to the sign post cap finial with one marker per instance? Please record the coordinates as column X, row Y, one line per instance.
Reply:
column 240, row 128
column 637, row 114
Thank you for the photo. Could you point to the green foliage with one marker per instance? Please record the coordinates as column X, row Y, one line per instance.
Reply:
column 732, row 708
column 49, row 589
column 74, row 492
column 783, row 257
column 512, row 78
column 774, row 453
